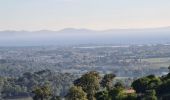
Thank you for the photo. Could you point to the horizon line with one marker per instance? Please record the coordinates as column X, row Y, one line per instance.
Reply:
column 72, row 28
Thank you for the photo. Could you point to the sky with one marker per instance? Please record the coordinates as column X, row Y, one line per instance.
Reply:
column 90, row 14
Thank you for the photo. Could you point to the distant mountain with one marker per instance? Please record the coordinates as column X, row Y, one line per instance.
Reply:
column 71, row 36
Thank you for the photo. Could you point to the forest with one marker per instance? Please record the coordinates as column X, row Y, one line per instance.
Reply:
column 48, row 85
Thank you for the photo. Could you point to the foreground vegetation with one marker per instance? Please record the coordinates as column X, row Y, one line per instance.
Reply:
column 23, row 86
column 90, row 86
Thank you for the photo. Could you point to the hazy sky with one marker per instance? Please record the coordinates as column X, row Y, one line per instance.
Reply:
column 91, row 14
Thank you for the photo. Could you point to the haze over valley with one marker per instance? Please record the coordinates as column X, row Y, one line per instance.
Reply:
column 71, row 36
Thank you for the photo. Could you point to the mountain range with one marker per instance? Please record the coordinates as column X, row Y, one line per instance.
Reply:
column 71, row 36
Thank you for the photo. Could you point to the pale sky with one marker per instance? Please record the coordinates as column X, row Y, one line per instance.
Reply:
column 90, row 14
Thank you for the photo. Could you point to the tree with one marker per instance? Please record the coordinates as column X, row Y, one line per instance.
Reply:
column 164, row 88
column 146, row 83
column 41, row 93
column 89, row 83
column 1, row 86
column 107, row 81
column 117, row 93
column 76, row 93
column 56, row 98
column 119, row 85
column 150, row 95
column 102, row 95
column 132, row 96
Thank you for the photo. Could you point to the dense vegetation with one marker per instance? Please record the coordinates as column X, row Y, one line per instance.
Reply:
column 24, row 85
column 47, row 85
column 91, row 86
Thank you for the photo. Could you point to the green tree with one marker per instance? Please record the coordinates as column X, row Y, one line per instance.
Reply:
column 56, row 98
column 102, row 95
column 119, row 85
column 89, row 83
column 164, row 88
column 146, row 83
column 107, row 81
column 1, row 86
column 76, row 93
column 117, row 94
column 150, row 95
column 41, row 93
column 132, row 96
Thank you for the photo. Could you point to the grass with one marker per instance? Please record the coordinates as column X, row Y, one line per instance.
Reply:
column 157, row 62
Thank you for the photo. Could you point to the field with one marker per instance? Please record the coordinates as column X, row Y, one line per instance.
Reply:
column 157, row 62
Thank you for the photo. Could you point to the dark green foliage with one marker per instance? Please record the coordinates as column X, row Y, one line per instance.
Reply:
column 107, row 81
column 25, row 84
column 89, row 83
column 146, row 83
column 10, row 88
column 131, row 97
column 76, row 93
column 117, row 94
column 56, row 98
column 102, row 95
column 41, row 93
column 119, row 85
column 150, row 95
column 88, row 87
column 166, row 77
column 153, row 87
column 164, row 88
